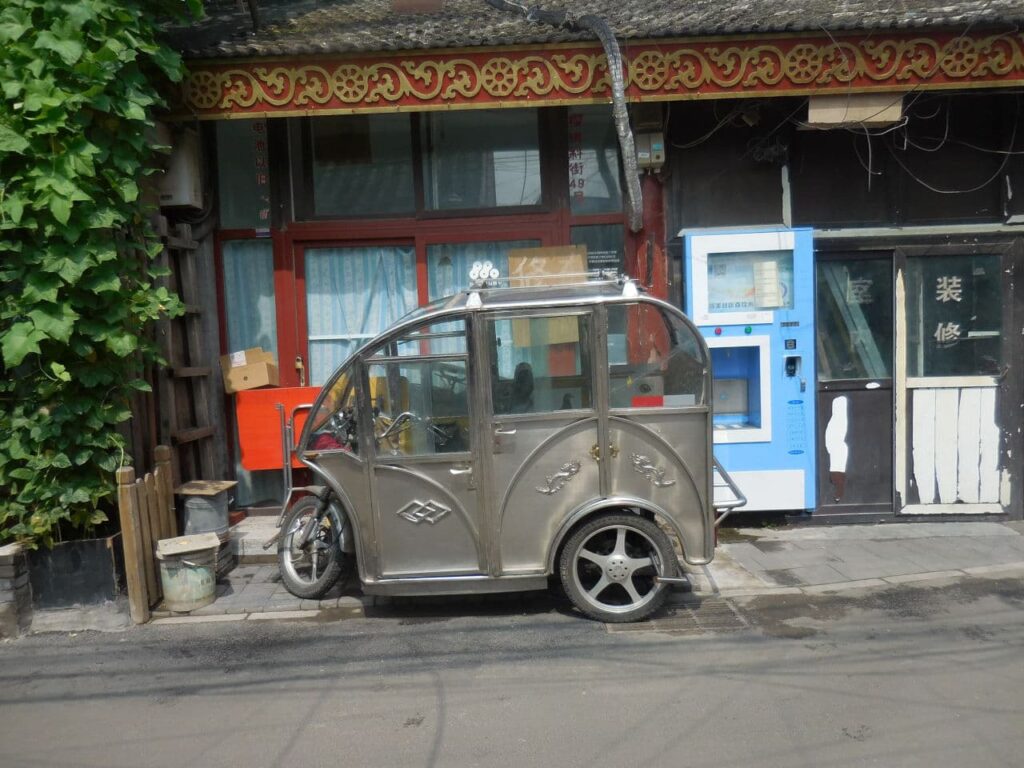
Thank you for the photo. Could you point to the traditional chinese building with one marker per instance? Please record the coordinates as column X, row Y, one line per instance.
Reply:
column 361, row 155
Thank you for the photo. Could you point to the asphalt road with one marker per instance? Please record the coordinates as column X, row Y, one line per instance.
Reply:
column 909, row 677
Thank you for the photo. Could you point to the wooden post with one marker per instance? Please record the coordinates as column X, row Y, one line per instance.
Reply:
column 138, row 604
column 155, row 534
column 165, row 489
column 147, row 541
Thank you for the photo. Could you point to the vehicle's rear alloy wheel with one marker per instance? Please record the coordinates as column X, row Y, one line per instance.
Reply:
column 608, row 567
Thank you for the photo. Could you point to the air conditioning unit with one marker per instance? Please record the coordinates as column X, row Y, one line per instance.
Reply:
column 181, row 185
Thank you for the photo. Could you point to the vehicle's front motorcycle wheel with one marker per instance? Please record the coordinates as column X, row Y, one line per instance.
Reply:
column 310, row 571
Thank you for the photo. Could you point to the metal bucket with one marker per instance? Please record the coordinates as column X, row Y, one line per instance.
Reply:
column 188, row 571
column 207, row 514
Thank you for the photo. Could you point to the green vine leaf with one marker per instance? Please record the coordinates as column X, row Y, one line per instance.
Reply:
column 78, row 301
column 20, row 341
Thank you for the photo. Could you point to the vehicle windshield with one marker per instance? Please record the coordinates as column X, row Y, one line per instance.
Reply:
column 332, row 426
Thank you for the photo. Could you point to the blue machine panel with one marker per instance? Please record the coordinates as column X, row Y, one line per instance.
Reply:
column 751, row 293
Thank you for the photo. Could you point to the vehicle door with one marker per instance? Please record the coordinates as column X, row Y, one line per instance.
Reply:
column 424, row 472
column 541, row 447
column 658, row 415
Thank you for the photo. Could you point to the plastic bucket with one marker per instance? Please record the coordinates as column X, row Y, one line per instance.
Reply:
column 189, row 580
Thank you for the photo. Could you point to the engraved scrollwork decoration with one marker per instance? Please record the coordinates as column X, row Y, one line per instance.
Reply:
column 645, row 466
column 704, row 68
column 554, row 483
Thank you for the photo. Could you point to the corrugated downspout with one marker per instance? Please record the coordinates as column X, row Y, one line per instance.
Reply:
column 598, row 26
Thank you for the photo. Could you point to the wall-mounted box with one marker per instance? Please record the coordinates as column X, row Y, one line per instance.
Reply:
column 866, row 109
column 650, row 149
column 181, row 185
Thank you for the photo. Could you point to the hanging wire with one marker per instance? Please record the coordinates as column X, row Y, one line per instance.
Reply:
column 989, row 180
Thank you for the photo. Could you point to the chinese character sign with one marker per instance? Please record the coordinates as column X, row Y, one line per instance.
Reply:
column 243, row 170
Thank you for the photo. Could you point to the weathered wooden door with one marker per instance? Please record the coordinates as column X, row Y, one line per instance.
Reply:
column 951, row 361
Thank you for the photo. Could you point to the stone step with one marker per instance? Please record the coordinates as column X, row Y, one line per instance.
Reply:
column 248, row 538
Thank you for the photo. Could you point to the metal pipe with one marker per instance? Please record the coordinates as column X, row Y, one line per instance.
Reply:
column 604, row 33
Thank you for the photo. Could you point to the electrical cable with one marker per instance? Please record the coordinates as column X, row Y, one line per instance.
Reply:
column 989, row 180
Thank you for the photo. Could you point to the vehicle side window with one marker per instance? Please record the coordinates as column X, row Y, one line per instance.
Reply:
column 444, row 338
column 654, row 359
column 540, row 364
column 334, row 422
column 420, row 407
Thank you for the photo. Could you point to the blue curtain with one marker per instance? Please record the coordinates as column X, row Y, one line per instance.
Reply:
column 250, row 309
column 352, row 294
column 249, row 299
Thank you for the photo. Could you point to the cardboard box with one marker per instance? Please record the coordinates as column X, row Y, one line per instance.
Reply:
column 248, row 369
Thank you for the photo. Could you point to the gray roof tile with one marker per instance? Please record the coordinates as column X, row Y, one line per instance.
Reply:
column 299, row 27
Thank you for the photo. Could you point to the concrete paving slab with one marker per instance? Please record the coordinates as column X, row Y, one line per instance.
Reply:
column 914, row 578
column 249, row 536
column 821, row 589
column 281, row 615
column 806, row 575
column 987, row 570
column 199, row 619
column 881, row 531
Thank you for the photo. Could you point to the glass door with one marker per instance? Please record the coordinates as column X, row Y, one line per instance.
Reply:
column 950, row 343
column 855, row 393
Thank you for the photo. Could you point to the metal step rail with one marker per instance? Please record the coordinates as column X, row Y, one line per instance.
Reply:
column 727, row 496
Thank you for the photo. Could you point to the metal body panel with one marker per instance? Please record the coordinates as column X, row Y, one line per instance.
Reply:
column 544, row 478
column 650, row 465
column 492, row 520
column 427, row 521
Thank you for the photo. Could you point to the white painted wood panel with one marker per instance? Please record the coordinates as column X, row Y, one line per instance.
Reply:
column 968, row 445
column 988, row 467
column 947, row 407
column 923, row 443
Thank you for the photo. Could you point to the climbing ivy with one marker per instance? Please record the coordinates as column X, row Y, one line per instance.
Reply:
column 80, row 85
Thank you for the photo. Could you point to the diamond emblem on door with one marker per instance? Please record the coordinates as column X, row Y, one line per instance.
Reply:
column 429, row 511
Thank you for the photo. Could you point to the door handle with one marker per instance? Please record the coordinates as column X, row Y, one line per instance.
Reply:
column 504, row 430
column 301, row 368
column 595, row 451
column 461, row 470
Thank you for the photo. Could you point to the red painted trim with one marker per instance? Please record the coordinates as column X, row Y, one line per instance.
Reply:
column 724, row 67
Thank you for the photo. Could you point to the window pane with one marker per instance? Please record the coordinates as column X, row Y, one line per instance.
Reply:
column 352, row 294
column 481, row 159
column 954, row 316
column 448, row 264
column 606, row 245
column 654, row 360
column 595, row 183
column 752, row 280
column 540, row 364
column 855, row 319
column 362, row 165
column 420, row 408
column 243, row 174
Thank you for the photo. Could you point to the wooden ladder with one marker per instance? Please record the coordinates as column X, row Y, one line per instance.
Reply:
column 183, row 395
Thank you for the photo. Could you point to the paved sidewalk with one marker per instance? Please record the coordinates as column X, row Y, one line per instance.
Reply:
column 832, row 558
column 748, row 561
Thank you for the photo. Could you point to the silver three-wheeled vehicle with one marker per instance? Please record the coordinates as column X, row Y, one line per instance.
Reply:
column 496, row 438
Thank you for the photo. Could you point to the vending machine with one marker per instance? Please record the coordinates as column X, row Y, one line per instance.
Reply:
column 751, row 293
